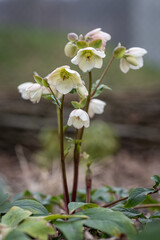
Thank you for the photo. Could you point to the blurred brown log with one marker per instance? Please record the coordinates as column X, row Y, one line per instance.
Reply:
column 135, row 116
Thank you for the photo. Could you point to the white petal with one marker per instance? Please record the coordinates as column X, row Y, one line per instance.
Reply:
column 98, row 62
column 75, row 60
column 136, row 52
column 140, row 63
column 86, row 64
column 124, row 65
column 77, row 123
column 65, row 86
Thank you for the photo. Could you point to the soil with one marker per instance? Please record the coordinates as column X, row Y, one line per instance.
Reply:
column 125, row 169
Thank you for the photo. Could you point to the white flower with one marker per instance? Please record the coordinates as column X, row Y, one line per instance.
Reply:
column 82, row 91
column 98, row 34
column 32, row 91
column 88, row 58
column 133, row 58
column 64, row 79
column 96, row 106
column 78, row 118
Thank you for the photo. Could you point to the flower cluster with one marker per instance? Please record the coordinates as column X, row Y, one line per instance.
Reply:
column 87, row 52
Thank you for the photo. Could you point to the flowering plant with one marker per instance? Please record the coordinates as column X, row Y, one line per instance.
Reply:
column 88, row 53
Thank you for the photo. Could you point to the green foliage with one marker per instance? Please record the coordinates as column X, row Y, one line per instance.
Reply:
column 72, row 206
column 137, row 195
column 108, row 221
column 14, row 216
column 16, row 234
column 72, row 229
column 105, row 142
column 99, row 89
column 156, row 178
column 96, row 43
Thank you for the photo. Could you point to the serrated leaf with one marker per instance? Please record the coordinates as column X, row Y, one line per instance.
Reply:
column 71, row 230
column 137, row 196
column 15, row 235
column 96, row 43
column 82, row 44
column 35, row 207
column 37, row 228
column 130, row 213
column 156, row 178
column 72, row 206
column 75, row 104
column 108, row 221
column 14, row 216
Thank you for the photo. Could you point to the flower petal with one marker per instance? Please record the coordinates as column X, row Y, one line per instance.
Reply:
column 124, row 65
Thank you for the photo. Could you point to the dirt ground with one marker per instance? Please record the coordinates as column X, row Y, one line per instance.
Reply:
column 122, row 170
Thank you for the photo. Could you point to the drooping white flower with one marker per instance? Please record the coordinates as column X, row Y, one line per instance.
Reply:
column 82, row 91
column 32, row 91
column 78, row 118
column 96, row 106
column 64, row 79
column 88, row 58
column 133, row 58
column 98, row 34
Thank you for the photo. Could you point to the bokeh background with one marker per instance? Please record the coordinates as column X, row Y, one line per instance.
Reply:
column 124, row 143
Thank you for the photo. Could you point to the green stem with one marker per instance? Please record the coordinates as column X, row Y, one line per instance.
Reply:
column 54, row 96
column 63, row 167
column 77, row 146
column 103, row 74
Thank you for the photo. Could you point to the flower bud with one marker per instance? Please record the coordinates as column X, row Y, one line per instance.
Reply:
column 132, row 60
column 82, row 91
column 70, row 49
column 119, row 51
column 72, row 37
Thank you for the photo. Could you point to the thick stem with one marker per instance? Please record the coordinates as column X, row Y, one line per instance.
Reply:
column 77, row 146
column 88, row 185
column 63, row 168
column 103, row 74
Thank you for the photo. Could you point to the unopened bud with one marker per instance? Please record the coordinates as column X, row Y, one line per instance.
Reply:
column 80, row 37
column 70, row 49
column 119, row 51
column 72, row 37
column 132, row 60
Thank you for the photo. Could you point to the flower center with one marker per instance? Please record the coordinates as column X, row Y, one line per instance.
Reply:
column 88, row 54
column 64, row 74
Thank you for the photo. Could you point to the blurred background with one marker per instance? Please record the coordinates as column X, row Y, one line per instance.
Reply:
column 124, row 142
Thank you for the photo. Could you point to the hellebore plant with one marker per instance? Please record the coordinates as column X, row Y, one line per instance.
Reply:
column 88, row 53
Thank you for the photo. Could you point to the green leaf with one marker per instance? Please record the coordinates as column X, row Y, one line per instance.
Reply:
column 37, row 228
column 151, row 231
column 75, row 104
column 73, row 91
column 38, row 79
column 82, row 44
column 45, row 83
column 14, row 216
column 72, row 230
column 156, row 178
column 137, row 196
column 99, row 89
column 35, row 207
column 72, row 206
column 58, row 102
column 130, row 213
column 96, row 43
column 59, row 216
column 83, row 103
column 16, row 235
column 156, row 215
column 108, row 221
